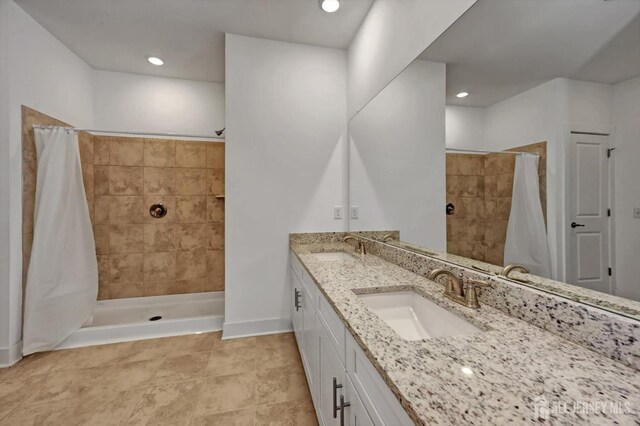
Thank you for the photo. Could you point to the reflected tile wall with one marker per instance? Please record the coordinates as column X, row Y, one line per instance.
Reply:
column 478, row 229
column 465, row 190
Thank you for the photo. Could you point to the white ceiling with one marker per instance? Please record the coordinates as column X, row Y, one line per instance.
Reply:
column 117, row 35
column 501, row 48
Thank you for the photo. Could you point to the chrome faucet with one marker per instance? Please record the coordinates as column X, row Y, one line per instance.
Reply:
column 514, row 267
column 464, row 294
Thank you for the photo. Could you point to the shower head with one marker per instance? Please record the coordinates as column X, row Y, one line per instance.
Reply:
column 219, row 132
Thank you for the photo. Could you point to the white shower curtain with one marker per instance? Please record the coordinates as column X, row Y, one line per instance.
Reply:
column 526, row 242
column 62, row 280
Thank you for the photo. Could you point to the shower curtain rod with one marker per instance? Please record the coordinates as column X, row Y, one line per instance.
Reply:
column 490, row 152
column 179, row 135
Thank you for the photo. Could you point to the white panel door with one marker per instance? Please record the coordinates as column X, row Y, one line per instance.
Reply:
column 588, row 257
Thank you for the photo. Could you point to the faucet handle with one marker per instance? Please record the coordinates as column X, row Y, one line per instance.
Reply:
column 475, row 284
column 471, row 295
column 362, row 246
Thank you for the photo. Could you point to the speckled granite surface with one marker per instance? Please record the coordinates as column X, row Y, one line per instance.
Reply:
column 609, row 334
column 514, row 363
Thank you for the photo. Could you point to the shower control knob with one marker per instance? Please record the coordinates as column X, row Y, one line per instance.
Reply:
column 575, row 225
column 450, row 209
column 158, row 211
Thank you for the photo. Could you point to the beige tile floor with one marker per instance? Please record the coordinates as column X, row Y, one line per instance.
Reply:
column 186, row 380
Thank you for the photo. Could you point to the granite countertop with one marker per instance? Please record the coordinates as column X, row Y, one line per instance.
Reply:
column 514, row 364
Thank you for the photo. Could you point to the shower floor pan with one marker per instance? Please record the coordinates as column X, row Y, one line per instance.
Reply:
column 138, row 318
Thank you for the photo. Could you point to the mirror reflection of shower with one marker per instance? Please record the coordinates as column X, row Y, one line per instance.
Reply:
column 480, row 185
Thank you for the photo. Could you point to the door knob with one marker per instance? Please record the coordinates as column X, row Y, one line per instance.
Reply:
column 575, row 225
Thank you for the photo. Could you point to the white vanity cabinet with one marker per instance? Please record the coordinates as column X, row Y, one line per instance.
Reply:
column 296, row 299
column 309, row 351
column 331, row 382
column 345, row 387
column 356, row 412
column 303, row 318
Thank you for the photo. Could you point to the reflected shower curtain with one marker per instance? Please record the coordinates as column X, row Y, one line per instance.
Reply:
column 62, row 280
column 526, row 242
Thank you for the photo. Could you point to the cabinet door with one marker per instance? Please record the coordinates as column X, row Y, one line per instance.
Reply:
column 296, row 304
column 380, row 403
column 309, row 351
column 355, row 414
column 330, row 369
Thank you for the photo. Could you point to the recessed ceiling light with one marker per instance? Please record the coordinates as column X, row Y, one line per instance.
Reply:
column 329, row 6
column 462, row 94
column 467, row 371
column 155, row 61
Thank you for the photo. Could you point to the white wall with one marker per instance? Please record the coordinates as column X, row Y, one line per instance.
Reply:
column 590, row 106
column 626, row 113
column 286, row 118
column 391, row 36
column 539, row 114
column 5, row 176
column 397, row 162
column 465, row 127
column 142, row 103
column 42, row 74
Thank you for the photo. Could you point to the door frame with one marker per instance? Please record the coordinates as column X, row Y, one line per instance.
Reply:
column 610, row 132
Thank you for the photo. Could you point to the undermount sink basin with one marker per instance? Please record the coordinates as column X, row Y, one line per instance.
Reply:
column 335, row 256
column 414, row 317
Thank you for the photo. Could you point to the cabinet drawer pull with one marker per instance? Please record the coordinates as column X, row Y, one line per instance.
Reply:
column 336, row 386
column 343, row 405
column 296, row 299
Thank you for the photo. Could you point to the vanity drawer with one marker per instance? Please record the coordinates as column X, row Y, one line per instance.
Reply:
column 380, row 403
column 296, row 265
column 333, row 325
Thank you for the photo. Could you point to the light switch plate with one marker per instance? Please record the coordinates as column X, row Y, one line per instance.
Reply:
column 636, row 212
column 355, row 212
column 337, row 212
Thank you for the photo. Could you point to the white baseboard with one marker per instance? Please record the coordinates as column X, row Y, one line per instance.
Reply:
column 234, row 330
column 11, row 355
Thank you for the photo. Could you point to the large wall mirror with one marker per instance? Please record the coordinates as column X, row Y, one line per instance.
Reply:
column 515, row 139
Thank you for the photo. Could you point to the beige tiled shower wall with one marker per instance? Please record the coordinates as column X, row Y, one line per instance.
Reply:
column 465, row 190
column 482, row 236
column 139, row 255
